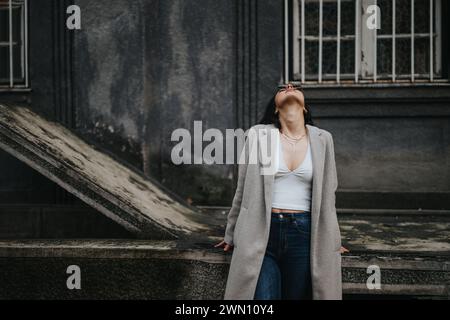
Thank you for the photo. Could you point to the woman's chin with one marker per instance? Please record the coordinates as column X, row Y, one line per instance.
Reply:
column 291, row 119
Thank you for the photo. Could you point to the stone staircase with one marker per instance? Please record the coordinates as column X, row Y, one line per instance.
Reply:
column 410, row 247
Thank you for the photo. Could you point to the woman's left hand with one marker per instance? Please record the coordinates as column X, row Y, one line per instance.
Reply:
column 344, row 250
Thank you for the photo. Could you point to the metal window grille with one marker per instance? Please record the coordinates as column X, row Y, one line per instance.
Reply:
column 14, row 44
column 332, row 43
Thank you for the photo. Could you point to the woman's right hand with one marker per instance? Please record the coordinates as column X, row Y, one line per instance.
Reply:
column 226, row 246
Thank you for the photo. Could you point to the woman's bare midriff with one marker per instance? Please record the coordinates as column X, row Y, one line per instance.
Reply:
column 276, row 210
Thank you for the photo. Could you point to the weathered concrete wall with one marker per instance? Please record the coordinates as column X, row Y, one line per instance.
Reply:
column 109, row 53
column 149, row 67
column 392, row 144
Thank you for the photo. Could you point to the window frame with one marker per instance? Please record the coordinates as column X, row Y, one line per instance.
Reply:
column 365, row 49
column 12, row 83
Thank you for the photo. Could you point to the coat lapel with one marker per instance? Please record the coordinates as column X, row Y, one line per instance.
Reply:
column 318, row 159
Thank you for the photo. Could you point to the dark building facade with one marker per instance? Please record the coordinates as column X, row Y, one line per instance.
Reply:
column 137, row 70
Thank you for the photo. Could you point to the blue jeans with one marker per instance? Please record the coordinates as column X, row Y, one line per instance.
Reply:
column 285, row 271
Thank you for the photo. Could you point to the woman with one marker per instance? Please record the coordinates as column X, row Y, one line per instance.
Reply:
column 283, row 227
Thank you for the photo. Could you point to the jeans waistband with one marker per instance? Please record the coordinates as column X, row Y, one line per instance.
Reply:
column 290, row 215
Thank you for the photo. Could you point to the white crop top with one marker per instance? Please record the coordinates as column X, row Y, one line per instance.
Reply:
column 293, row 189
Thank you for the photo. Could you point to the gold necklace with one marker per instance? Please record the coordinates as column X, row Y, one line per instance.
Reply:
column 292, row 141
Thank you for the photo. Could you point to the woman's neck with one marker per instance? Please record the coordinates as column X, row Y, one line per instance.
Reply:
column 293, row 129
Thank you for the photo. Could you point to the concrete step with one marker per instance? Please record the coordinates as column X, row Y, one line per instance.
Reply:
column 396, row 231
column 145, row 269
column 422, row 275
column 393, row 212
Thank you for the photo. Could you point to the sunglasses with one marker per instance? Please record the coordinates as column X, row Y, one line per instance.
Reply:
column 290, row 87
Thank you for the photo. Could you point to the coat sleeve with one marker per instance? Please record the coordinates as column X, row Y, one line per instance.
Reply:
column 237, row 200
column 333, row 163
column 334, row 178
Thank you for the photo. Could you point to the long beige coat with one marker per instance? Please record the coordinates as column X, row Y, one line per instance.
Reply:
column 248, row 223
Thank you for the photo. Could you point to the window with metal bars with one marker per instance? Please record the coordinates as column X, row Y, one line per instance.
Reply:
column 13, row 44
column 332, row 43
